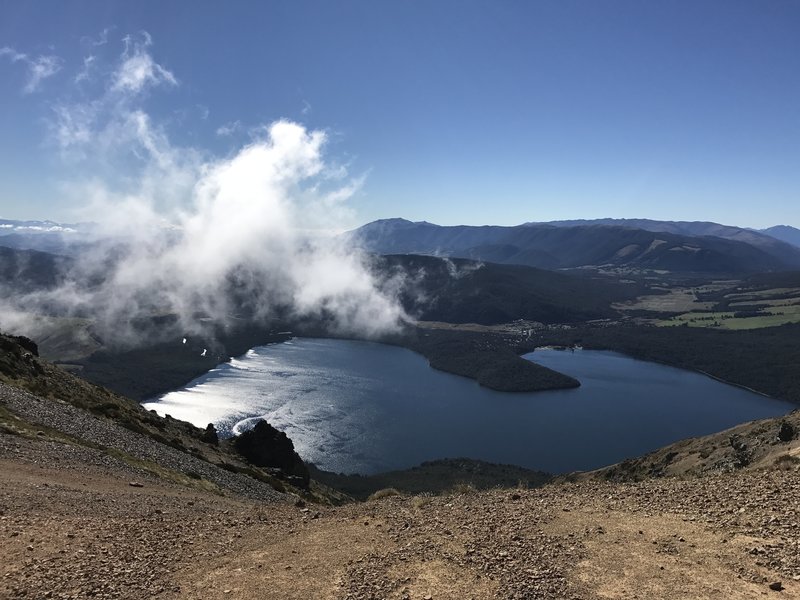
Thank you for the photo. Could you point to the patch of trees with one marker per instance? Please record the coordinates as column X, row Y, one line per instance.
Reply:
column 501, row 370
column 746, row 314
column 435, row 476
column 768, row 281
column 489, row 358
column 765, row 359
column 465, row 291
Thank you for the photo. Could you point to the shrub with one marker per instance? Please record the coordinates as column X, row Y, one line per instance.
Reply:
column 384, row 493
column 421, row 501
column 787, row 462
column 463, row 487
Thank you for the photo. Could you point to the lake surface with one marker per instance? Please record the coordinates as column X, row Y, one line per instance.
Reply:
column 360, row 407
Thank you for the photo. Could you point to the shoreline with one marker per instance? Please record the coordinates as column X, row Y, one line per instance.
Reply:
column 493, row 359
column 666, row 364
column 623, row 370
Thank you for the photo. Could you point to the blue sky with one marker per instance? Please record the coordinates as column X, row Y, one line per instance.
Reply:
column 455, row 111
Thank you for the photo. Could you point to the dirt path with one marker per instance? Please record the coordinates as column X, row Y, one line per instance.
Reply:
column 76, row 528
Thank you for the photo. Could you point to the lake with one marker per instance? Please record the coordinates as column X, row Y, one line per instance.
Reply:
column 361, row 407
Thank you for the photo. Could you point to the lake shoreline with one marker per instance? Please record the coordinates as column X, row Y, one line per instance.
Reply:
column 353, row 407
column 485, row 357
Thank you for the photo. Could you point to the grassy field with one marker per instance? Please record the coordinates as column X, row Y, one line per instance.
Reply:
column 782, row 302
column 732, row 305
column 676, row 300
column 770, row 293
column 773, row 316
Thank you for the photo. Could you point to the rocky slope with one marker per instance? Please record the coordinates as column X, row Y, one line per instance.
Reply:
column 764, row 444
column 74, row 527
column 39, row 399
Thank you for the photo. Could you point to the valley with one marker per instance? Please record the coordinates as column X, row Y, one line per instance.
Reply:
column 514, row 308
column 452, row 452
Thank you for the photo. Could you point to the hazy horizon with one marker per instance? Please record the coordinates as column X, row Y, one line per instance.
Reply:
column 462, row 224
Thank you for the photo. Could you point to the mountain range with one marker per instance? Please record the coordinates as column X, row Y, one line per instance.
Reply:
column 10, row 225
column 636, row 243
column 679, row 246
column 44, row 236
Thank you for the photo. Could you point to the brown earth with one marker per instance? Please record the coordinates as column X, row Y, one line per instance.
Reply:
column 73, row 527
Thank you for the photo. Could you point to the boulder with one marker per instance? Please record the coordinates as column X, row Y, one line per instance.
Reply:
column 265, row 446
column 787, row 432
column 210, row 435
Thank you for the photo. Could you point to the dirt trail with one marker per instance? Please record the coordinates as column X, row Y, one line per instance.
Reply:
column 76, row 528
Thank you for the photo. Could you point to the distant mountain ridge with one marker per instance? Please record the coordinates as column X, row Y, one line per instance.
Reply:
column 785, row 233
column 28, row 270
column 695, row 246
column 44, row 236
column 641, row 243
column 14, row 226
column 757, row 237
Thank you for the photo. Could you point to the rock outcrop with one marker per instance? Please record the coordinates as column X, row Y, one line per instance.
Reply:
column 787, row 432
column 210, row 436
column 265, row 446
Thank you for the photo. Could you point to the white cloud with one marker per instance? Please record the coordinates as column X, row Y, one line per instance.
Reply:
column 12, row 54
column 137, row 69
column 344, row 193
column 203, row 234
column 39, row 68
column 100, row 40
column 229, row 128
column 73, row 125
column 109, row 124
column 239, row 241
column 85, row 72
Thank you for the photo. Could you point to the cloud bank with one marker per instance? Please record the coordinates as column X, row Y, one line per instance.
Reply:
column 200, row 237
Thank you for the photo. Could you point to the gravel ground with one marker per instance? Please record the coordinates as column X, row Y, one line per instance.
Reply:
column 761, row 506
column 659, row 540
column 83, row 425
column 73, row 527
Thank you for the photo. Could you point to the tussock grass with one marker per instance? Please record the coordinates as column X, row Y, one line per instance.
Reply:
column 384, row 493
column 463, row 488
